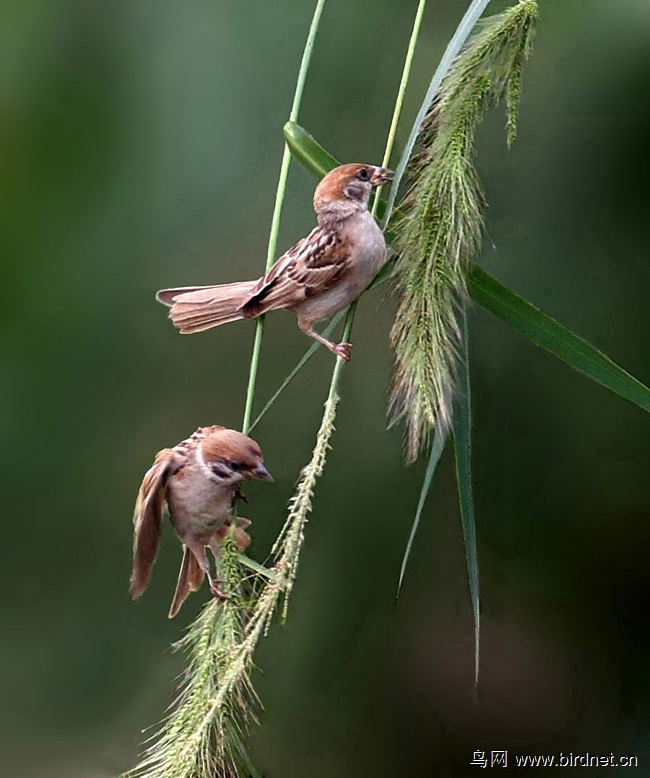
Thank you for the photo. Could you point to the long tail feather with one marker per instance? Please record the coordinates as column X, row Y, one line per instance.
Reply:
column 194, row 309
column 167, row 296
column 190, row 579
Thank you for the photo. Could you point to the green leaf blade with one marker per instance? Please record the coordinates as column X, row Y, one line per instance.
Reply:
column 542, row 330
column 307, row 151
column 462, row 430
column 439, row 439
column 309, row 353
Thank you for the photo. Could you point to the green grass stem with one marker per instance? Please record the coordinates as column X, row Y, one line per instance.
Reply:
column 460, row 36
column 462, row 431
column 277, row 208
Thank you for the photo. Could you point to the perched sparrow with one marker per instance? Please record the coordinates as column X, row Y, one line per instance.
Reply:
column 322, row 274
column 197, row 481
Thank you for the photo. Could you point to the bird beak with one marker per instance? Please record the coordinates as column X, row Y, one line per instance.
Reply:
column 381, row 176
column 262, row 473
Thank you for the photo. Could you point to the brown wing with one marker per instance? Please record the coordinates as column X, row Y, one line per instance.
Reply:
column 314, row 265
column 147, row 519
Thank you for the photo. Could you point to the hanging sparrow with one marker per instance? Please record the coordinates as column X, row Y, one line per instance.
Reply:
column 197, row 481
column 320, row 276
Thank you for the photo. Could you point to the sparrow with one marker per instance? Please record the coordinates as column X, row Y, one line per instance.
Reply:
column 318, row 277
column 196, row 481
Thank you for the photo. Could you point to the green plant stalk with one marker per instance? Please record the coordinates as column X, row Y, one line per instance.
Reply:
column 277, row 209
column 289, row 543
column 309, row 353
column 252, row 374
column 338, row 367
column 457, row 42
column 439, row 440
column 462, row 430
column 401, row 91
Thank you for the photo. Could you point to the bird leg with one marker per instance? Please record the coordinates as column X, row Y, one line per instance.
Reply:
column 242, row 539
column 340, row 349
column 215, row 589
column 202, row 558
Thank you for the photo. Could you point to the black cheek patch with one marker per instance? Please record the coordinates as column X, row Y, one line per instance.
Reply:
column 221, row 471
column 355, row 190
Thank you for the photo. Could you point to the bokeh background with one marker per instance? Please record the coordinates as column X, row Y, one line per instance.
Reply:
column 140, row 149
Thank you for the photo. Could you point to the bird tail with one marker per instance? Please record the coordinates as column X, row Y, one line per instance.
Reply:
column 190, row 579
column 197, row 308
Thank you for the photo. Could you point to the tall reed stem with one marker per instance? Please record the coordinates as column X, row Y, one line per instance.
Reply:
column 388, row 151
column 467, row 24
column 277, row 209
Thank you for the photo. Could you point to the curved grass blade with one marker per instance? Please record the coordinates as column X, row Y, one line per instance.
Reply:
column 277, row 208
column 439, row 439
column 307, row 150
column 542, row 330
column 299, row 366
column 256, row 567
column 379, row 208
column 314, row 158
column 463, row 31
column 462, row 431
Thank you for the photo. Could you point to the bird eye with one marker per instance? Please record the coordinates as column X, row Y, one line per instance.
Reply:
column 363, row 174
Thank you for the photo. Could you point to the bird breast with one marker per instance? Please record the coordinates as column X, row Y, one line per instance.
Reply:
column 366, row 259
column 197, row 505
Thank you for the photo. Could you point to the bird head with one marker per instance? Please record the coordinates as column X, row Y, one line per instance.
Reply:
column 351, row 183
column 232, row 456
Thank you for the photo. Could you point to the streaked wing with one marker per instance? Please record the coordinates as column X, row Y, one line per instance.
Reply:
column 314, row 265
column 147, row 519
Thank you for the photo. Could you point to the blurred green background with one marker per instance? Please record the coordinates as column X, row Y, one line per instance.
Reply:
column 140, row 149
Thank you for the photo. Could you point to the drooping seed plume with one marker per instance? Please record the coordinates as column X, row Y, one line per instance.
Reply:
column 441, row 220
